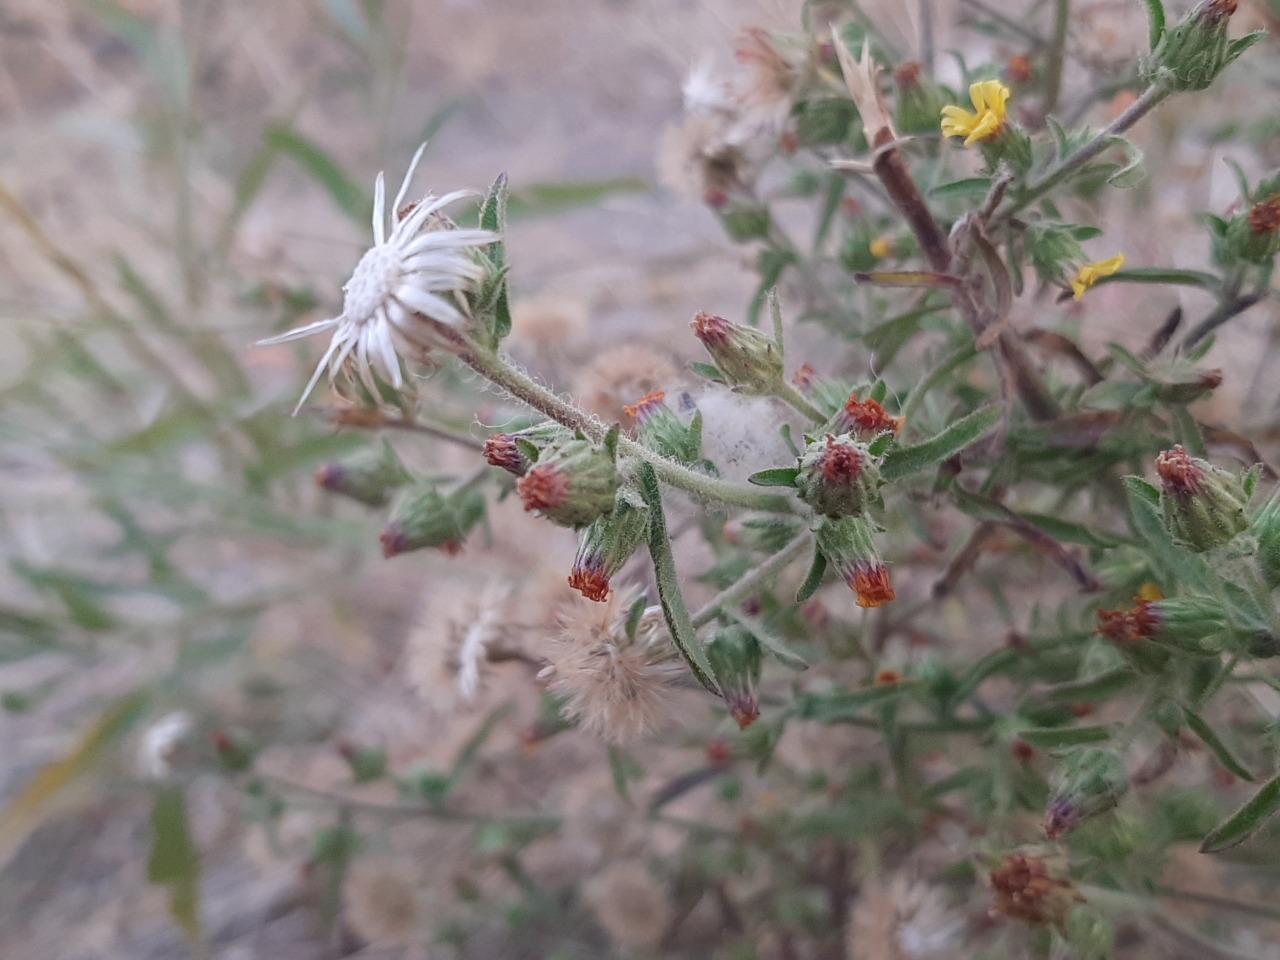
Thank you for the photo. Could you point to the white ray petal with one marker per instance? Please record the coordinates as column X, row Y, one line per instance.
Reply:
column 408, row 179
column 379, row 214
column 429, row 304
column 299, row 332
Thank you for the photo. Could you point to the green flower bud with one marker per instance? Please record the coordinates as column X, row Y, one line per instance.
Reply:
column 848, row 545
column 517, row 452
column 1266, row 526
column 1011, row 145
column 664, row 430
column 1054, row 251
column 749, row 361
column 919, row 102
column 1089, row 782
column 1090, row 933
column 736, row 660
column 368, row 476
column 1190, row 388
column 838, row 476
column 1254, row 235
column 1193, row 624
column 606, row 544
column 425, row 517
column 1194, row 51
column 573, row 483
column 1204, row 507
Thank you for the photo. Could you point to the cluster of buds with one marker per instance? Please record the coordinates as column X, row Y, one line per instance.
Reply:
column 423, row 516
column 865, row 419
column 1194, row 624
column 848, row 544
column 517, row 452
column 1192, row 53
column 1035, row 888
column 662, row 429
column 368, row 476
column 574, row 481
column 839, row 476
column 736, row 660
column 1203, row 506
column 606, row 544
column 1089, row 782
column 745, row 358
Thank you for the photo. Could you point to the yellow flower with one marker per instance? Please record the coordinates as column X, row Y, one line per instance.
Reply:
column 1091, row 273
column 989, row 100
column 881, row 247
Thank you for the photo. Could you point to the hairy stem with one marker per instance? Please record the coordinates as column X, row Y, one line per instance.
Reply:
column 1057, row 55
column 524, row 388
column 1152, row 96
column 739, row 590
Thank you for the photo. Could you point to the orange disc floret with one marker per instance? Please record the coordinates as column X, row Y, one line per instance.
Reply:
column 590, row 580
column 871, row 585
column 501, row 450
column 869, row 416
column 1178, row 471
column 641, row 409
column 1139, row 622
column 545, row 487
column 841, row 462
column 710, row 329
column 1026, row 889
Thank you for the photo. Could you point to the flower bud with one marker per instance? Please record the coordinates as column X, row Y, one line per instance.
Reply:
column 1195, row 50
column 368, row 476
column 664, row 430
column 866, row 419
column 749, row 361
column 1254, row 236
column 1194, row 624
column 573, row 483
column 1188, row 389
column 736, row 660
column 605, row 545
column 1266, row 525
column 517, row 452
column 425, row 517
column 1204, row 507
column 848, row 545
column 1089, row 782
column 1035, row 888
column 838, row 476
column 919, row 102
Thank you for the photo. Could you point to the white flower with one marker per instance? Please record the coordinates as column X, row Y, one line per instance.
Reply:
column 411, row 279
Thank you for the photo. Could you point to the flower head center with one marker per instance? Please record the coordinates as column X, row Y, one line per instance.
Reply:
column 372, row 283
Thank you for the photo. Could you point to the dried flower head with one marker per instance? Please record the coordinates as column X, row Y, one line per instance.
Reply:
column 866, row 418
column 1129, row 626
column 990, row 107
column 903, row 920
column 446, row 654
column 1091, row 273
column 630, row 904
column 409, row 283
column 1264, row 216
column 617, row 375
column 617, row 686
column 773, row 75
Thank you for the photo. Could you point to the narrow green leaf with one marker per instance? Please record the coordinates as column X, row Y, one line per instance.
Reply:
column 969, row 188
column 1155, row 21
column 346, row 193
column 683, row 633
column 1048, row 738
column 1246, row 821
column 708, row 370
column 843, row 706
column 1143, row 490
column 904, row 461
column 1161, row 275
column 813, row 579
column 493, row 210
column 775, row 477
column 1215, row 744
column 768, row 639
column 174, row 861
column 541, row 199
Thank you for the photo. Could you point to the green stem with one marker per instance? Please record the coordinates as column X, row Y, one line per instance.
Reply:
column 1057, row 55
column 524, row 388
column 788, row 394
column 748, row 583
column 1152, row 96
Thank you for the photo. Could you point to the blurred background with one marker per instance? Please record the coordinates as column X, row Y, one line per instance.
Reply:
column 181, row 179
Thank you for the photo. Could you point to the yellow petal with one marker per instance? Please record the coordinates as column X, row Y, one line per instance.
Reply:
column 1091, row 273
column 957, row 122
column 987, row 126
column 990, row 95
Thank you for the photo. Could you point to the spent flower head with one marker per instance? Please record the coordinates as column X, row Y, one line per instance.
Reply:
column 411, row 283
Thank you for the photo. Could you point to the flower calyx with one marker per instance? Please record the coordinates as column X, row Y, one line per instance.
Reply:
column 574, row 481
